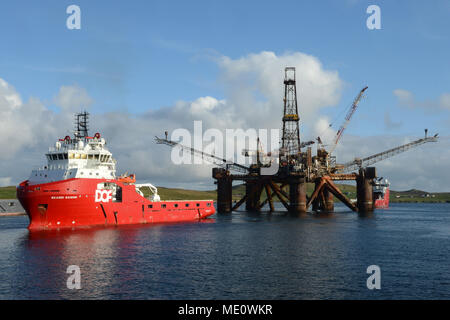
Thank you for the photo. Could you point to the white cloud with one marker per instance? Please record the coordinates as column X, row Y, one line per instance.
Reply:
column 72, row 98
column 254, row 86
column 444, row 101
column 406, row 98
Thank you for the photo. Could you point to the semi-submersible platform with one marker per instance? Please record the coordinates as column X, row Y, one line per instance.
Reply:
column 297, row 167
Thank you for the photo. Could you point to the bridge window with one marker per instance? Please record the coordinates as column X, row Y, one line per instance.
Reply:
column 71, row 155
column 83, row 156
column 77, row 156
column 96, row 156
column 54, row 157
column 65, row 156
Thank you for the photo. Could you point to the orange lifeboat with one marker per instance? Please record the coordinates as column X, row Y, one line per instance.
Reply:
column 127, row 179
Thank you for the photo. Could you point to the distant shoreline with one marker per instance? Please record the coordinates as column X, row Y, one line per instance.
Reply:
column 409, row 196
column 12, row 214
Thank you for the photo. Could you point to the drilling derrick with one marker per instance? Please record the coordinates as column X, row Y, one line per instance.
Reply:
column 290, row 141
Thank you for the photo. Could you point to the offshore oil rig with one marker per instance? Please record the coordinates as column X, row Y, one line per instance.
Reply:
column 296, row 168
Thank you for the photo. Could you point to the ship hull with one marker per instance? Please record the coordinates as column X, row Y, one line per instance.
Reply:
column 382, row 202
column 80, row 203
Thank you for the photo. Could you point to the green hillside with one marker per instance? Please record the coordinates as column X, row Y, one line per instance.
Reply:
column 8, row 192
column 412, row 195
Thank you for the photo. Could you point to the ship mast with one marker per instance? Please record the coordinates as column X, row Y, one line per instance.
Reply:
column 81, row 125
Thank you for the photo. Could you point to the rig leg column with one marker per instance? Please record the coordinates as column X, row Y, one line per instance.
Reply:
column 224, row 190
column 364, row 190
column 224, row 195
column 253, row 192
column 297, row 196
column 329, row 200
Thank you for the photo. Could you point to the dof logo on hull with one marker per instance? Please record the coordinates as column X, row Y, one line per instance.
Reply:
column 103, row 195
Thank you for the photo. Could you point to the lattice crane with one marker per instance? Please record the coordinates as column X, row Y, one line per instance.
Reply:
column 347, row 119
column 359, row 163
column 206, row 156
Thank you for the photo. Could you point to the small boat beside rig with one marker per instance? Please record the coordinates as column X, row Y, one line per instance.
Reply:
column 79, row 187
column 381, row 193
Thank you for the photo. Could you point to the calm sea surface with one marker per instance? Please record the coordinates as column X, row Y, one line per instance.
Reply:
column 237, row 256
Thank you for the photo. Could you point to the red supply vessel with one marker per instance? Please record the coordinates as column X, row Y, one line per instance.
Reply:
column 79, row 187
column 381, row 193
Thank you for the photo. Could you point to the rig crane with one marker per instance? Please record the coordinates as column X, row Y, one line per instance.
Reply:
column 360, row 163
column 206, row 156
column 347, row 119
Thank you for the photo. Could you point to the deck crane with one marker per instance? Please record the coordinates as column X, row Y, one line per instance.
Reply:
column 208, row 157
column 360, row 163
column 347, row 119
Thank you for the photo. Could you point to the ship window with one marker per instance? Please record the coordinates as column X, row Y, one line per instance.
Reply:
column 208, row 204
column 187, row 204
column 83, row 156
column 176, row 205
column 163, row 206
column 197, row 204
column 150, row 206
column 71, row 155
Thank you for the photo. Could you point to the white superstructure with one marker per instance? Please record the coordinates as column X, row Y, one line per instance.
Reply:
column 81, row 157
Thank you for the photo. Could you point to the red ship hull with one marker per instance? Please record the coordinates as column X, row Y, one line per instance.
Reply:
column 382, row 202
column 79, row 202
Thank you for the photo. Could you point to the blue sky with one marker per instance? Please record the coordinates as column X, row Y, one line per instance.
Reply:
column 139, row 55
